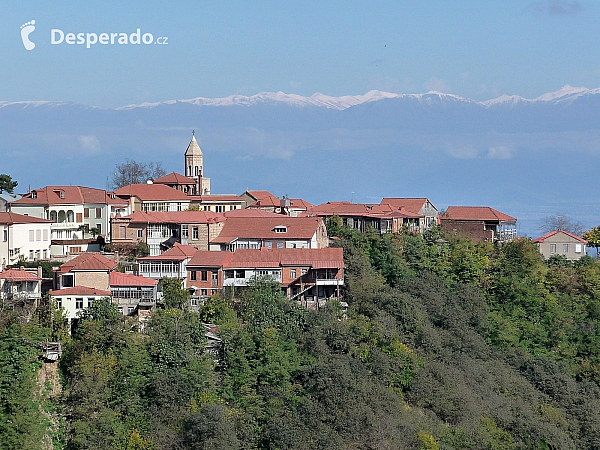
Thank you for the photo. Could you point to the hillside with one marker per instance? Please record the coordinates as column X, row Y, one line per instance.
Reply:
column 446, row 345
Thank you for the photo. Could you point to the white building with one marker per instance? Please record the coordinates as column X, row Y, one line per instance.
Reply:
column 73, row 210
column 24, row 237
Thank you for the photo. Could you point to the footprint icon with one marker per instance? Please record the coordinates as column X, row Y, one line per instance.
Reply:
column 26, row 30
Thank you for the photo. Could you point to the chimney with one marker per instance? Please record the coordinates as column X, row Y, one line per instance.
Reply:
column 39, row 272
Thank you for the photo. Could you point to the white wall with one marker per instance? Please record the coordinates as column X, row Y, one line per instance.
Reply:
column 21, row 238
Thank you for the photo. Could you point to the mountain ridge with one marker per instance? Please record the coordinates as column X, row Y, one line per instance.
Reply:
column 565, row 94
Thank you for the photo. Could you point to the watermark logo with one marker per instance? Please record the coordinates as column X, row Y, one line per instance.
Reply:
column 26, row 30
column 58, row 36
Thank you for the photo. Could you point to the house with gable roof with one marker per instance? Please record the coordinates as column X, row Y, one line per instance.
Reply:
column 89, row 276
column 271, row 231
column 480, row 223
column 161, row 230
column 421, row 206
column 309, row 276
column 363, row 217
column 561, row 242
column 73, row 210
column 24, row 237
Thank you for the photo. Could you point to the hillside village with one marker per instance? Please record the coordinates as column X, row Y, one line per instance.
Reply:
column 122, row 243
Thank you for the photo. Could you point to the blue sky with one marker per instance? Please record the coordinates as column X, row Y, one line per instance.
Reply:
column 471, row 48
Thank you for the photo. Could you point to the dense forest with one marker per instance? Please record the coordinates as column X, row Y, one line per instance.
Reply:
column 446, row 344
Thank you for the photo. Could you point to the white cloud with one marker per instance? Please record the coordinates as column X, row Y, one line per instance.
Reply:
column 500, row 152
column 462, row 151
column 89, row 143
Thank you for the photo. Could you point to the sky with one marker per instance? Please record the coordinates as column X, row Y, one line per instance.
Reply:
column 474, row 49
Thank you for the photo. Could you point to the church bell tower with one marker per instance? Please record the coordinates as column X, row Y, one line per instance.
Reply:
column 194, row 167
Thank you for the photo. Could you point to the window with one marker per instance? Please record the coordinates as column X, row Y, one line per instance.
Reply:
column 193, row 276
column 98, row 213
column 140, row 233
column 90, row 302
column 214, row 279
column 565, row 248
column 303, row 271
column 86, row 213
column 78, row 303
column 219, row 208
column 45, row 254
column 292, row 273
column 33, row 194
column 30, row 254
column 66, row 281
column 59, row 302
column 99, row 226
column 578, row 248
column 280, row 245
column 204, row 275
column 31, row 235
column 38, row 235
column 5, row 235
column 195, row 233
column 196, row 171
column 120, row 310
column 79, row 217
column 184, row 232
column 130, row 309
column 45, row 235
column 280, row 229
column 269, row 245
column 552, row 248
column 194, row 301
column 203, row 292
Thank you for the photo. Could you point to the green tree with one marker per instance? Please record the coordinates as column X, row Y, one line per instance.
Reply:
column 7, row 184
column 174, row 296
column 593, row 238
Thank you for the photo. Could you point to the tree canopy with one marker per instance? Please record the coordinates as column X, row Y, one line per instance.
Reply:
column 561, row 222
column 135, row 172
column 7, row 184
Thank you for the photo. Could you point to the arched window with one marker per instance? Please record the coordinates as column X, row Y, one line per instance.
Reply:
column 62, row 217
column 70, row 216
column 53, row 216
column 189, row 174
column 197, row 171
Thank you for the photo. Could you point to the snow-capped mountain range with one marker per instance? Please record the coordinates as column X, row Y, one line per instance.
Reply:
column 563, row 95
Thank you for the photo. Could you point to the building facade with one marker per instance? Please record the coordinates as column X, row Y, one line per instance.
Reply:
column 561, row 243
column 23, row 237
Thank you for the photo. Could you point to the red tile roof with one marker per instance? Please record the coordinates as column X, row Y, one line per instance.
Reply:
column 298, row 203
column 18, row 275
column 250, row 212
column 204, row 258
column 260, row 195
column 317, row 258
column 88, row 261
column 126, row 279
column 152, row 192
column 174, row 178
column 552, row 233
column 263, row 228
column 176, row 217
column 249, row 258
column 51, row 195
column 10, row 218
column 359, row 209
column 413, row 205
column 478, row 213
column 79, row 290
column 177, row 253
